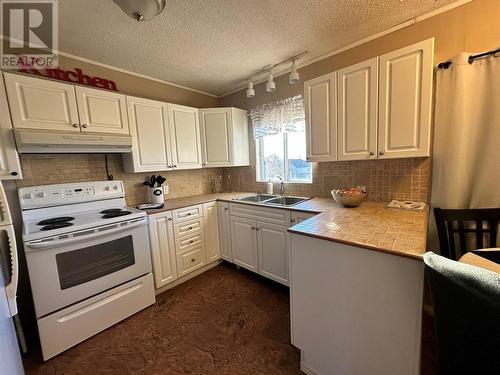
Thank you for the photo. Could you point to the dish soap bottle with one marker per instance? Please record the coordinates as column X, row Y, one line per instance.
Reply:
column 269, row 187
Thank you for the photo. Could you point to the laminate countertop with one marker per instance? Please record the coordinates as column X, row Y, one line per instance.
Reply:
column 371, row 225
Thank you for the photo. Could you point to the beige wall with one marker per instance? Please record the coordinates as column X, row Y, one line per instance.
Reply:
column 472, row 27
column 134, row 85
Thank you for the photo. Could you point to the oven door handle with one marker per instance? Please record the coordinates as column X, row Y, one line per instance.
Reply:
column 43, row 244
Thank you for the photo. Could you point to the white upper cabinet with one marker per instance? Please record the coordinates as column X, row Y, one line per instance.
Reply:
column 357, row 111
column 184, row 137
column 224, row 137
column 41, row 104
column 102, row 111
column 150, row 136
column 320, row 105
column 10, row 167
column 405, row 101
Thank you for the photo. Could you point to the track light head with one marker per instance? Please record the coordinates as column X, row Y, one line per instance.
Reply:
column 270, row 85
column 294, row 76
column 250, row 90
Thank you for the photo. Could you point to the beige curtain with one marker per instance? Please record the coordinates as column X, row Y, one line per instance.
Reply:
column 466, row 158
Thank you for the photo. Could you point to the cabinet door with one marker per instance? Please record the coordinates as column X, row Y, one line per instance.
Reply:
column 184, row 136
column 150, row 138
column 102, row 111
column 216, row 137
column 405, row 101
column 41, row 104
column 320, row 105
column 10, row 167
column 211, row 229
column 244, row 243
column 357, row 111
column 225, row 231
column 273, row 245
column 161, row 234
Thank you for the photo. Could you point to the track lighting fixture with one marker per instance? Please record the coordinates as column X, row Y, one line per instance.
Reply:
column 270, row 85
column 293, row 77
column 250, row 90
column 258, row 77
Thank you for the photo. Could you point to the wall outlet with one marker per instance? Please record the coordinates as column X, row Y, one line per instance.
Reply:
column 166, row 190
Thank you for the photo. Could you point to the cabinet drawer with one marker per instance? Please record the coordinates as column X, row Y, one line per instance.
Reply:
column 187, row 213
column 190, row 260
column 188, row 228
column 269, row 215
column 189, row 241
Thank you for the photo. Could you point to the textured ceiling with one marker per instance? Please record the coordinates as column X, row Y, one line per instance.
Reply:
column 211, row 45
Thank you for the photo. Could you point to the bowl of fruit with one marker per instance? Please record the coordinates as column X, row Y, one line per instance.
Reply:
column 349, row 197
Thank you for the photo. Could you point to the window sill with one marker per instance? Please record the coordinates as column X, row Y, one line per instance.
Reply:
column 286, row 182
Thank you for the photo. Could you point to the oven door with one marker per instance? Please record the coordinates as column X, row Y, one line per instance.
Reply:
column 67, row 269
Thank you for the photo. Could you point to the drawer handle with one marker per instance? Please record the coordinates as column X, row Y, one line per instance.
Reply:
column 257, row 228
column 292, row 220
column 191, row 241
column 192, row 260
column 189, row 228
column 189, row 213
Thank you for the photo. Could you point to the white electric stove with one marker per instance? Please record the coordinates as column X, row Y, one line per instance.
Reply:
column 88, row 259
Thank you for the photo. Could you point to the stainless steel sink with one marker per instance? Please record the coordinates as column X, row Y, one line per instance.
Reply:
column 258, row 198
column 286, row 201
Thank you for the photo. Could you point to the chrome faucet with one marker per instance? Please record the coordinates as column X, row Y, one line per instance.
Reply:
column 282, row 185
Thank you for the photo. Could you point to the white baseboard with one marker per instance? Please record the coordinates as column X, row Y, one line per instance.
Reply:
column 187, row 277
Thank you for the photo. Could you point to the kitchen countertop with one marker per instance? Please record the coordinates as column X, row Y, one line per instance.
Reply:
column 371, row 225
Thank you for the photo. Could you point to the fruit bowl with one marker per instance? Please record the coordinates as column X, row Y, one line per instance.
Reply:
column 349, row 197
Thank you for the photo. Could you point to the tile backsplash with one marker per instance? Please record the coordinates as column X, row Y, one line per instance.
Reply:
column 42, row 169
column 385, row 179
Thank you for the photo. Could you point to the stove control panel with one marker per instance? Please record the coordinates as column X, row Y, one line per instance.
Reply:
column 60, row 194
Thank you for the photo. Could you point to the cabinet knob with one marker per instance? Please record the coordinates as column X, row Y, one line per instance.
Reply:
column 191, row 241
column 85, row 126
column 225, row 208
column 257, row 228
column 169, row 219
column 292, row 220
column 189, row 213
column 175, row 165
column 192, row 260
column 253, row 228
column 203, row 164
column 13, row 173
column 190, row 228
column 76, row 125
column 381, row 153
column 372, row 153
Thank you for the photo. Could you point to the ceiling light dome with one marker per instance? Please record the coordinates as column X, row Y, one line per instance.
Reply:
column 141, row 10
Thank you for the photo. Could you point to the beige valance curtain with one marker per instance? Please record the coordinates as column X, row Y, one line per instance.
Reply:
column 285, row 115
column 466, row 158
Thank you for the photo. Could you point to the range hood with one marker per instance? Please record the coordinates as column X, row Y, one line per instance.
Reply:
column 48, row 142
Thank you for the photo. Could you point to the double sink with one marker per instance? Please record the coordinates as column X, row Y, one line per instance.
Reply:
column 273, row 200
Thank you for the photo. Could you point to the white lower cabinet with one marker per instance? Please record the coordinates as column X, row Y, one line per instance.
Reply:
column 261, row 246
column 273, row 250
column 244, row 242
column 190, row 260
column 211, row 228
column 161, row 234
column 226, row 252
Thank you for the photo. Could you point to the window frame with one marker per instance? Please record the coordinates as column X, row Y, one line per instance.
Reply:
column 259, row 162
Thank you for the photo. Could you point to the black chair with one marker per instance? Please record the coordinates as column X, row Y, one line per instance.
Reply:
column 467, row 316
column 478, row 222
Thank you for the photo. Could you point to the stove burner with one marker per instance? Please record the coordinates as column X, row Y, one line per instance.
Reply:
column 111, row 211
column 56, row 220
column 56, row 225
column 115, row 214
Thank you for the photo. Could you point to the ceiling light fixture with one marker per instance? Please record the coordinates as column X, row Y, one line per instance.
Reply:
column 141, row 10
column 270, row 85
column 293, row 77
column 250, row 90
